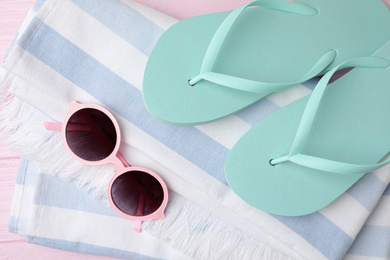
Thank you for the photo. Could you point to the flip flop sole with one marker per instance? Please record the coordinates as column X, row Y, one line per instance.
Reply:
column 263, row 45
column 351, row 125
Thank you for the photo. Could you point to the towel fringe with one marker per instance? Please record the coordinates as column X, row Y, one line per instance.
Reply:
column 23, row 131
column 199, row 234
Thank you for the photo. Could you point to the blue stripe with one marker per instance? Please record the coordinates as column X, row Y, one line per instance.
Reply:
column 64, row 194
column 133, row 26
column 367, row 191
column 38, row 4
column 85, row 248
column 372, row 241
column 18, row 225
column 258, row 111
column 27, row 173
column 387, row 191
column 21, row 175
column 13, row 225
column 321, row 233
column 121, row 97
column 311, row 83
column 30, row 31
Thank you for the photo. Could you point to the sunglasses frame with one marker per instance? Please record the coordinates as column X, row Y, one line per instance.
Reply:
column 115, row 158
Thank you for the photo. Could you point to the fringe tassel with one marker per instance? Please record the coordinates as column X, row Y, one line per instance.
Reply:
column 22, row 130
column 195, row 232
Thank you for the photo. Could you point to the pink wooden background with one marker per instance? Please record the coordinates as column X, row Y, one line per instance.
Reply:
column 12, row 13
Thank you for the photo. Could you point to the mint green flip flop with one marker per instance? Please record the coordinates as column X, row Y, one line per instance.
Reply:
column 305, row 155
column 210, row 66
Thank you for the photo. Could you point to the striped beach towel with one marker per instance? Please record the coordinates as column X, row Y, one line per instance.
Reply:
column 96, row 52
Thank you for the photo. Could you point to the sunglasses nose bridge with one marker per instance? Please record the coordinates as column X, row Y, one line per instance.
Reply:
column 114, row 159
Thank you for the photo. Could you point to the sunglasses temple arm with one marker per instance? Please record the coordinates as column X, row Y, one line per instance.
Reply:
column 53, row 126
column 137, row 225
column 69, row 127
column 140, row 211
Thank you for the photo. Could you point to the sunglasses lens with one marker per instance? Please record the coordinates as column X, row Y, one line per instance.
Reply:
column 91, row 134
column 137, row 193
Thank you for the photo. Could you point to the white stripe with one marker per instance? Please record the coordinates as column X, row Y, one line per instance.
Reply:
column 106, row 43
column 381, row 214
column 287, row 96
column 21, row 208
column 16, row 200
column 162, row 20
column 226, row 131
column 21, row 201
column 350, row 218
column 31, row 95
column 383, row 173
column 65, row 224
column 41, row 88
column 46, row 9
column 30, row 15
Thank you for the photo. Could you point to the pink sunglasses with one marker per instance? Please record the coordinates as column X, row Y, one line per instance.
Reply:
column 92, row 136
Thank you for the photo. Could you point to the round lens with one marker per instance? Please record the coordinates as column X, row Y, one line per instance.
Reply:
column 91, row 134
column 137, row 193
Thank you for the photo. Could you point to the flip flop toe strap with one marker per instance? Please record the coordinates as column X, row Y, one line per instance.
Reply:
column 307, row 121
column 248, row 85
column 331, row 165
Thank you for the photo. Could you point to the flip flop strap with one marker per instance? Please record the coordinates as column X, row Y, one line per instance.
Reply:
column 247, row 84
column 307, row 121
